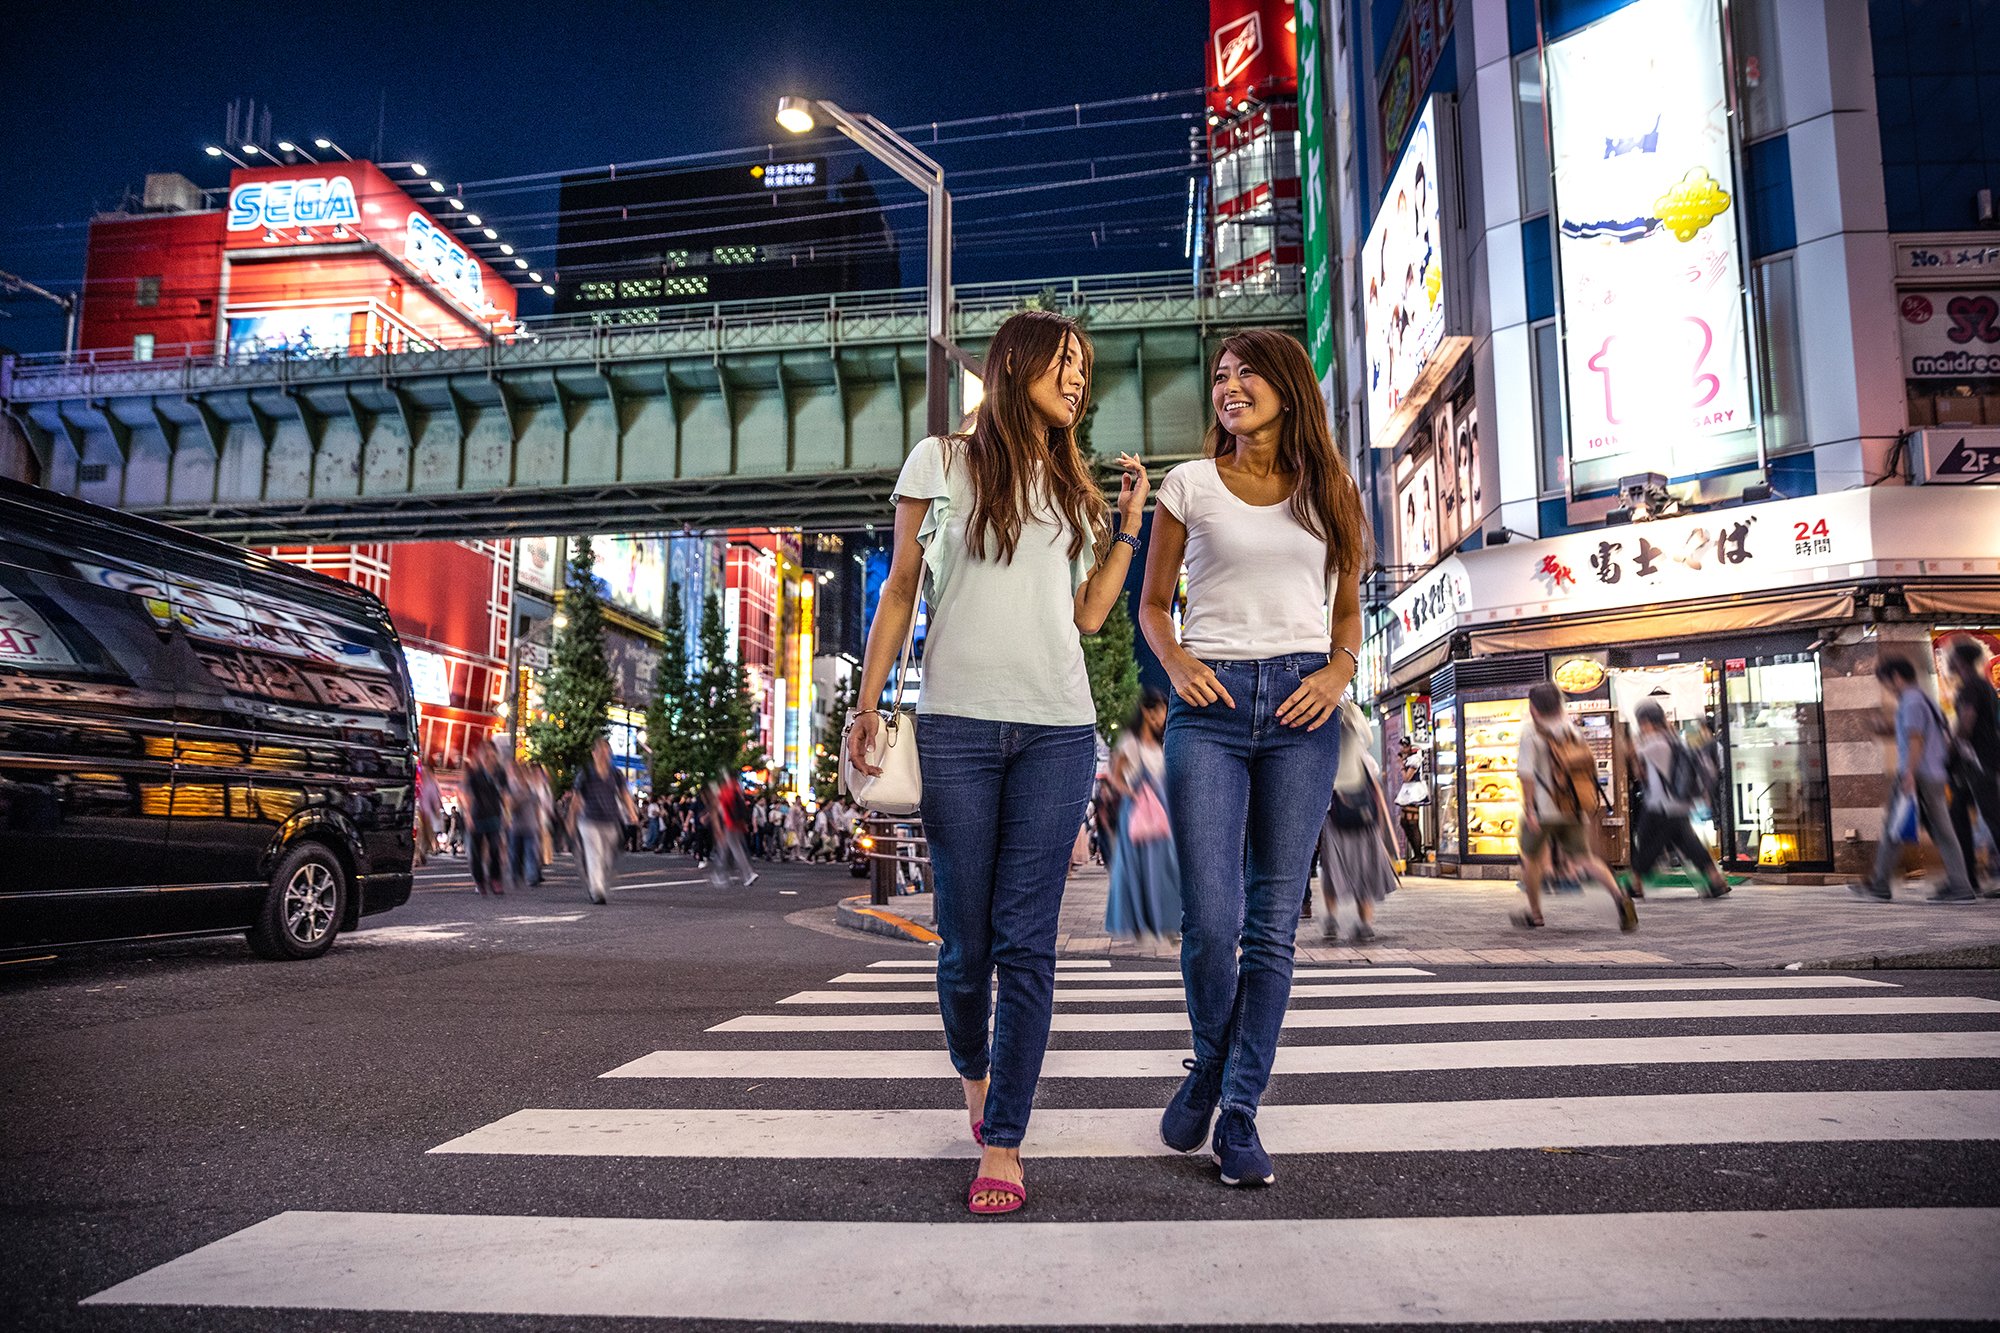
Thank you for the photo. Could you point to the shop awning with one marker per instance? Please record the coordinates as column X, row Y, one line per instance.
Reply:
column 1678, row 622
column 1955, row 599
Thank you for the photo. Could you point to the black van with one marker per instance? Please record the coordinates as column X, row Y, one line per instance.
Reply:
column 193, row 738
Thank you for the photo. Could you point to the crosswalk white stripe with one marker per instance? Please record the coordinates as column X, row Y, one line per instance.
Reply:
column 1062, row 964
column 1448, row 1015
column 1362, row 989
column 1371, row 1058
column 1460, row 1126
column 1891, row 1263
column 1097, row 978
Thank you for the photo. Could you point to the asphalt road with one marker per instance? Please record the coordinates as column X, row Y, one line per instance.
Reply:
column 158, row 1100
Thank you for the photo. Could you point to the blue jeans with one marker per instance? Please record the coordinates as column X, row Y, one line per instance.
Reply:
column 1002, row 805
column 1247, row 796
column 524, row 848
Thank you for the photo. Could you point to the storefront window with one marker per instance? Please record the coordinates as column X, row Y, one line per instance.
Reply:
column 1778, row 347
column 1529, row 130
column 1777, row 762
column 1444, row 785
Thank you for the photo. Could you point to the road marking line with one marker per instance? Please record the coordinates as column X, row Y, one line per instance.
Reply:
column 1062, row 964
column 1759, row 1267
column 1076, row 982
column 659, row 884
column 1369, row 1058
column 1442, row 1015
column 1361, row 988
column 1458, row 1126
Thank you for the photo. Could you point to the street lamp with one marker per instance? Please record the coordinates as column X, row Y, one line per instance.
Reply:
column 13, row 285
column 797, row 115
column 213, row 151
column 287, row 146
column 332, row 146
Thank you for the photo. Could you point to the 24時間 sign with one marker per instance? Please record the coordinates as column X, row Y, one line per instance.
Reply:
column 1655, row 349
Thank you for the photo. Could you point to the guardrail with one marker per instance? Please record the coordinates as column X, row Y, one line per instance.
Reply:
column 712, row 327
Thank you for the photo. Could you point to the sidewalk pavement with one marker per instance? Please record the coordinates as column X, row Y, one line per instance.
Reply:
column 1451, row 921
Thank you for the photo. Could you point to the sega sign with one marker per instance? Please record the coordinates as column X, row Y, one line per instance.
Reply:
column 314, row 202
column 444, row 261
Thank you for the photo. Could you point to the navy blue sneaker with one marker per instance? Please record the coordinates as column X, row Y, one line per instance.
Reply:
column 1184, row 1124
column 1239, row 1154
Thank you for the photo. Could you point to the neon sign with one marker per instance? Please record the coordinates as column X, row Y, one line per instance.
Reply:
column 443, row 260
column 313, row 202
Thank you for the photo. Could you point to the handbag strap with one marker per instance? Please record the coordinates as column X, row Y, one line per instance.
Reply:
column 903, row 663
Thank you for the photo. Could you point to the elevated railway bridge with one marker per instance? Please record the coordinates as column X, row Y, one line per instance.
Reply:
column 788, row 413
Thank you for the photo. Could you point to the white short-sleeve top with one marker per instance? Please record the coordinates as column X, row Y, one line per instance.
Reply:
column 1256, row 579
column 1002, row 644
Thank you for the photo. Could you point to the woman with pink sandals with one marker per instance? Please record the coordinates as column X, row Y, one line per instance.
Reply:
column 1003, row 531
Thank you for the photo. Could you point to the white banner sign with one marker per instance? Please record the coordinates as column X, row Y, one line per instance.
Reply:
column 1655, row 353
column 1428, row 609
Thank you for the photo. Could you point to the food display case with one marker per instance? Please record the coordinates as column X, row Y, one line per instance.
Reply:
column 1444, row 778
column 1493, row 806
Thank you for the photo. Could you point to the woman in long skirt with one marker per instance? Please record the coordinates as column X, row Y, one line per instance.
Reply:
column 1356, row 860
column 1145, row 901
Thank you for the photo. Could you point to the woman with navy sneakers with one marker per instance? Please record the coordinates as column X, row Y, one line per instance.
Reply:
column 1005, row 531
column 1270, row 529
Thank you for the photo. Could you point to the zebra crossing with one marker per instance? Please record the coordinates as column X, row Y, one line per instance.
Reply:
column 853, row 1071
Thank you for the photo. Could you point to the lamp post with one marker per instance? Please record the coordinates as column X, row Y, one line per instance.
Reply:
column 13, row 285
column 892, row 150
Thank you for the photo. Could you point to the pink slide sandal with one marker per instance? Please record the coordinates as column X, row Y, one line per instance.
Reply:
column 988, row 1185
column 979, row 1133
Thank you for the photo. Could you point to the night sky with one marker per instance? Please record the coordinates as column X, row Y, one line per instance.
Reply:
column 94, row 96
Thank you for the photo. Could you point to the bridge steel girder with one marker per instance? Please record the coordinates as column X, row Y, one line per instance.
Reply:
column 802, row 420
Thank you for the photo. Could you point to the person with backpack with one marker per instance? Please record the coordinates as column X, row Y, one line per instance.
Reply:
column 1975, row 766
column 1559, row 794
column 1923, row 745
column 1357, row 842
column 1669, row 778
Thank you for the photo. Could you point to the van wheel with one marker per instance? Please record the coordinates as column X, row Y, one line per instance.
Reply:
column 303, row 910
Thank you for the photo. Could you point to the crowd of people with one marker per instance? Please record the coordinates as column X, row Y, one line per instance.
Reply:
column 511, row 824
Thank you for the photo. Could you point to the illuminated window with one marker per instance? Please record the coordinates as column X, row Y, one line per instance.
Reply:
column 147, row 292
column 596, row 291
column 632, row 287
column 142, row 347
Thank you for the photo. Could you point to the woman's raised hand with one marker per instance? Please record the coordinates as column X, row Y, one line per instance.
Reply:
column 1133, row 488
column 861, row 738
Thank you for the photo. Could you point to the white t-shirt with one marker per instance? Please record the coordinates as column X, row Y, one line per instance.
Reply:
column 1002, row 644
column 1257, row 584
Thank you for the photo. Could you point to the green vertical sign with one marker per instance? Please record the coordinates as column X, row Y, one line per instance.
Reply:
column 1313, row 195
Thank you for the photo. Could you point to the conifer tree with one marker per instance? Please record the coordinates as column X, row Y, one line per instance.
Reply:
column 722, row 729
column 576, row 689
column 1113, row 668
column 671, row 732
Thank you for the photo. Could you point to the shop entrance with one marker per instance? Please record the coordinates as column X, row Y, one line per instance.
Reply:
column 1762, row 716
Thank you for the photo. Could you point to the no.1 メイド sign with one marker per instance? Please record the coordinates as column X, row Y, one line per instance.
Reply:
column 1655, row 350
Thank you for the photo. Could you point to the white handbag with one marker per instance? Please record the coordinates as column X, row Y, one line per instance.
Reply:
column 899, row 788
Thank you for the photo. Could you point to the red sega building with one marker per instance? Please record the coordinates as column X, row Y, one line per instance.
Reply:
column 1253, row 124
column 307, row 260
column 324, row 260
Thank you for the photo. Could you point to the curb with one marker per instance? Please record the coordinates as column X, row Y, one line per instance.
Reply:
column 1963, row 956
column 858, row 914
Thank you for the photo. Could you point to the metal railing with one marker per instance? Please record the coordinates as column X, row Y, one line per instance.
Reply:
column 889, row 848
column 712, row 327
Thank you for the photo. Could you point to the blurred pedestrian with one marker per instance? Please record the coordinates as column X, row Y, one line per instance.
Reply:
column 1669, row 777
column 1917, row 790
column 1144, row 902
column 430, row 816
column 1006, row 527
column 1357, row 842
column 486, row 792
column 729, row 819
column 1560, row 800
column 1975, row 767
column 525, row 820
column 601, row 810
column 1270, row 528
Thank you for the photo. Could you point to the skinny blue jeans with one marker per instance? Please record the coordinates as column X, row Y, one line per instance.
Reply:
column 1002, row 805
column 1247, row 796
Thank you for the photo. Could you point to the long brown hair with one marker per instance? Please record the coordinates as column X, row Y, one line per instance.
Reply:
column 1009, row 437
column 1325, row 501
